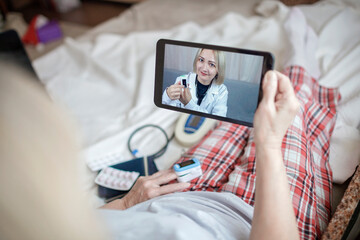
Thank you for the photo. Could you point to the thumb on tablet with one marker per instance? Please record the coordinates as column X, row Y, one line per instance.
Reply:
column 270, row 85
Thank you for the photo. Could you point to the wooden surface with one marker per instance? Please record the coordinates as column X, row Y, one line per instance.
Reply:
column 89, row 13
column 345, row 210
column 297, row 2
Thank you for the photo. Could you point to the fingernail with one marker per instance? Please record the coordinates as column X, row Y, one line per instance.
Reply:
column 270, row 76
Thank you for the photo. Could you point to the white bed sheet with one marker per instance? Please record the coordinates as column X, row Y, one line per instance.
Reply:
column 106, row 77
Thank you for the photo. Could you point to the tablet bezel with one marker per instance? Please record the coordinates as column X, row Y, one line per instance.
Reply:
column 268, row 64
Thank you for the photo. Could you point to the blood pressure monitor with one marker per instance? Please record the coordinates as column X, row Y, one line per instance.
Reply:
column 190, row 129
column 188, row 170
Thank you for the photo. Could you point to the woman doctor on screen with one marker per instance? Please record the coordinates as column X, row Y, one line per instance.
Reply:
column 205, row 91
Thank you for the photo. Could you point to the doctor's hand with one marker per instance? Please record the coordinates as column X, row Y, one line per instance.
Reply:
column 276, row 111
column 185, row 97
column 174, row 91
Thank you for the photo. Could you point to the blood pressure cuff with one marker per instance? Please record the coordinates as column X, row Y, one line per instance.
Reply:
column 136, row 165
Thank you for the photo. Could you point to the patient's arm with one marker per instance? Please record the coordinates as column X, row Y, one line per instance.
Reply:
column 146, row 188
column 274, row 216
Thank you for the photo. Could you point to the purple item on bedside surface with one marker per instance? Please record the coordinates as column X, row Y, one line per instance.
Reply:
column 49, row 32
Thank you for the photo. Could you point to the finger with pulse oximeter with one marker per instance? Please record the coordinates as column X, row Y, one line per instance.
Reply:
column 188, row 170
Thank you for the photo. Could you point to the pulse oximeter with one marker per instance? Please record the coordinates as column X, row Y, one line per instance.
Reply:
column 184, row 82
column 188, row 170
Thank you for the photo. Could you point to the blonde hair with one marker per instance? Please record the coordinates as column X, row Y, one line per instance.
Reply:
column 220, row 60
column 41, row 197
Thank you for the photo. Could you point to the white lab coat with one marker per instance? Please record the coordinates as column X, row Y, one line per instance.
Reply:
column 214, row 102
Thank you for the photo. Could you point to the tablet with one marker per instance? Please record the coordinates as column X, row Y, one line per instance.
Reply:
column 218, row 82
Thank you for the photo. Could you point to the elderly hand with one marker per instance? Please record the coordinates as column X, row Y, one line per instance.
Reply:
column 174, row 91
column 273, row 117
column 276, row 111
column 152, row 186
column 148, row 187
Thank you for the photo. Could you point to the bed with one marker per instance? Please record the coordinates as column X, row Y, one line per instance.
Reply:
column 105, row 77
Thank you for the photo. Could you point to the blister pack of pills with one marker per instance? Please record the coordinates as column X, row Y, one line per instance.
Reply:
column 116, row 179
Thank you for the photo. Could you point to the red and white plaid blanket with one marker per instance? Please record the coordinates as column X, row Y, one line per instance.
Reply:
column 228, row 156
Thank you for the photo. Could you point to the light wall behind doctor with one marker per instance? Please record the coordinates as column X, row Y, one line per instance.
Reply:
column 241, row 67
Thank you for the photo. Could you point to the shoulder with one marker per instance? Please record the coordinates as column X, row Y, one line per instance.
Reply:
column 221, row 89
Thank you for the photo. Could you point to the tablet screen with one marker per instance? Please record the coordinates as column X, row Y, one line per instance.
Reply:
column 211, row 81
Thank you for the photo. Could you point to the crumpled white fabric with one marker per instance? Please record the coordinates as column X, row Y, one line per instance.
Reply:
column 108, row 84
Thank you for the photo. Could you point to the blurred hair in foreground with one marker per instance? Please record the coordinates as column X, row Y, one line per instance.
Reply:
column 40, row 189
